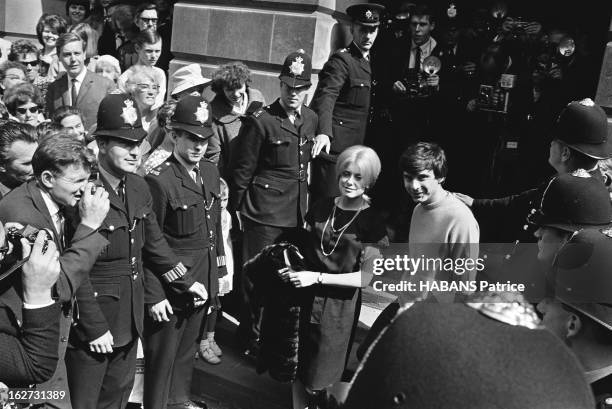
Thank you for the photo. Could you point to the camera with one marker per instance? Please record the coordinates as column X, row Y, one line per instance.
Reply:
column 13, row 261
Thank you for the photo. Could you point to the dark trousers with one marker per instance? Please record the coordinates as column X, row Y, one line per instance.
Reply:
column 169, row 350
column 101, row 381
column 255, row 237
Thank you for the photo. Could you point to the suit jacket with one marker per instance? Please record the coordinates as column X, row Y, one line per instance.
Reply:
column 28, row 345
column 117, row 303
column 342, row 98
column 190, row 217
column 25, row 205
column 269, row 164
column 93, row 89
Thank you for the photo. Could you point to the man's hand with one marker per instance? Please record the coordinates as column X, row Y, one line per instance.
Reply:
column 433, row 80
column 41, row 271
column 199, row 290
column 321, row 142
column 161, row 311
column 102, row 345
column 93, row 208
column 468, row 200
column 399, row 87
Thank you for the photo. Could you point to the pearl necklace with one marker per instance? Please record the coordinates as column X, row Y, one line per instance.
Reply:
column 341, row 230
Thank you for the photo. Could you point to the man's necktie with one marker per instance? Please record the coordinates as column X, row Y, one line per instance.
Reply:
column 60, row 220
column 121, row 191
column 73, row 93
column 195, row 175
column 417, row 59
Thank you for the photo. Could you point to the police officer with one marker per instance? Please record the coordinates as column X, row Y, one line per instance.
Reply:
column 101, row 358
column 186, row 191
column 268, row 184
column 580, row 312
column 579, row 140
column 342, row 98
column 487, row 353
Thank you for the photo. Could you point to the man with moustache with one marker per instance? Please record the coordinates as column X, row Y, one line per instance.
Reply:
column 186, row 189
column 101, row 359
column 268, row 183
column 61, row 167
column 342, row 98
column 17, row 145
column 79, row 87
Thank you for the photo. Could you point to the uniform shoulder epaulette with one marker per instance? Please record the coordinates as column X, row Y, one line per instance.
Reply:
column 258, row 112
column 253, row 107
column 159, row 169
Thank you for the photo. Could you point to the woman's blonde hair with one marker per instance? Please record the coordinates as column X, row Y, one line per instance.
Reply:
column 138, row 73
column 364, row 158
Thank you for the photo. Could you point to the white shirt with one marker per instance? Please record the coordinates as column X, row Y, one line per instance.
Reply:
column 79, row 81
column 426, row 49
column 58, row 219
column 292, row 114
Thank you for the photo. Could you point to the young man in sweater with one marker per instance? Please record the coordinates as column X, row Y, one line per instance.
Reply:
column 442, row 228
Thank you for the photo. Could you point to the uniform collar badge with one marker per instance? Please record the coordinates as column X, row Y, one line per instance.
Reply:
column 581, row 173
column 201, row 113
column 587, row 102
column 607, row 232
column 297, row 66
column 129, row 114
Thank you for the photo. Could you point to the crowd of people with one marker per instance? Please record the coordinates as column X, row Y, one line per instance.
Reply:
column 131, row 204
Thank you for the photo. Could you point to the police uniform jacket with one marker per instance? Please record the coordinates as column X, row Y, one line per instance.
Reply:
column 269, row 184
column 342, row 98
column 190, row 216
column 117, row 303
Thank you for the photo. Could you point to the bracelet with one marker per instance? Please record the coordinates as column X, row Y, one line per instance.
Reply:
column 320, row 278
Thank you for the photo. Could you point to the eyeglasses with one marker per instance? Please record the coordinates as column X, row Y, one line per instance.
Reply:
column 33, row 63
column 149, row 20
column 147, row 87
column 32, row 110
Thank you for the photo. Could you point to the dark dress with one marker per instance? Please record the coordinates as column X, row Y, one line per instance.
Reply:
column 326, row 329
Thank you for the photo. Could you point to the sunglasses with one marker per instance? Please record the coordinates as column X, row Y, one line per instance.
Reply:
column 22, row 111
column 33, row 63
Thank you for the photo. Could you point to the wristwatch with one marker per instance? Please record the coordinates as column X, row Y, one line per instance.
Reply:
column 320, row 278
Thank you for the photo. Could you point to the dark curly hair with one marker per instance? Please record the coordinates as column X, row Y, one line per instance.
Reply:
column 21, row 94
column 231, row 76
column 21, row 47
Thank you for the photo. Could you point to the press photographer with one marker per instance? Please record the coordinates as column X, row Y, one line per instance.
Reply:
column 61, row 191
column 29, row 316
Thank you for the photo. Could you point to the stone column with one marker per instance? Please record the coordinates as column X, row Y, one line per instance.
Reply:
column 604, row 89
column 18, row 18
column 259, row 33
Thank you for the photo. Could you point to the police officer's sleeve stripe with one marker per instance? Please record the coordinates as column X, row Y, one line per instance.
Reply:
column 220, row 261
column 177, row 272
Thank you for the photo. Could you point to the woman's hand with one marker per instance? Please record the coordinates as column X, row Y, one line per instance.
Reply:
column 299, row 279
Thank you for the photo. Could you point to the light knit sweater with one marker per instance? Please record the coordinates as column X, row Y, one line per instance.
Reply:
column 444, row 229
